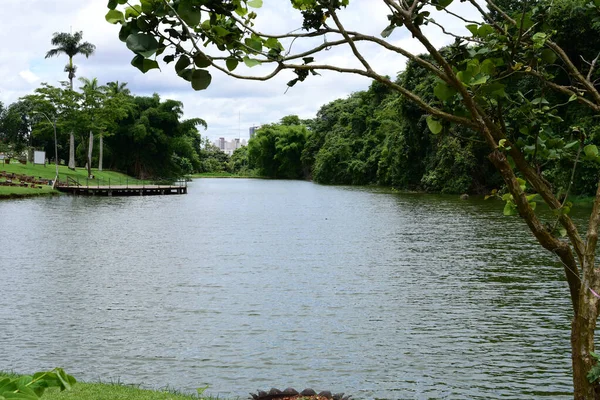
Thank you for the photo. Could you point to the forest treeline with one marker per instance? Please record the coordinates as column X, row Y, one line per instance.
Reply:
column 372, row 137
column 378, row 137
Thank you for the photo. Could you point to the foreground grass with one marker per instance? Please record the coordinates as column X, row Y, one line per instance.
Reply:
column 112, row 391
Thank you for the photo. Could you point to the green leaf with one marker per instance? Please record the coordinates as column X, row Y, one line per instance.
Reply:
column 147, row 7
column 133, row 12
column 182, row 63
column 112, row 4
column 255, row 3
column 220, row 31
column 573, row 97
column 144, row 64
column 201, row 60
column 434, row 125
column 273, row 43
column 143, row 25
column 522, row 183
column 231, row 64
column 548, row 56
column 201, row 79
column 510, row 209
column 388, row 31
column 254, row 44
column 189, row 13
column 444, row 92
column 186, row 74
column 479, row 80
column 251, row 62
column 473, row 28
column 114, row 17
column 572, row 144
column 142, row 44
column 591, row 151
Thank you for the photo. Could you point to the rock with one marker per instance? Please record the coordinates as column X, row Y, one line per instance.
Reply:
column 290, row 392
column 308, row 392
column 326, row 393
column 274, row 392
column 464, row 196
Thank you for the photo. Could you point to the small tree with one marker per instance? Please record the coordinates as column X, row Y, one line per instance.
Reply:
column 472, row 76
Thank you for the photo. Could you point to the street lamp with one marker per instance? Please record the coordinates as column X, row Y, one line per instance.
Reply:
column 55, row 142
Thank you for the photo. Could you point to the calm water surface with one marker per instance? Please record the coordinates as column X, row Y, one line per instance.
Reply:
column 250, row 284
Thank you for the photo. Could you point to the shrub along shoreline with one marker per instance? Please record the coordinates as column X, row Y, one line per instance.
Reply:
column 113, row 391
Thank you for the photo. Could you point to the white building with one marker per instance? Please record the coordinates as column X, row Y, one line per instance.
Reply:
column 229, row 146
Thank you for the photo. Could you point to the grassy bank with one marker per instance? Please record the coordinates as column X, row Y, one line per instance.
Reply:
column 49, row 171
column 112, row 391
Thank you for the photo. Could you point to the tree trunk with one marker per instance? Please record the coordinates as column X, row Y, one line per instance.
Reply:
column 101, row 151
column 89, row 157
column 582, row 343
column 71, row 151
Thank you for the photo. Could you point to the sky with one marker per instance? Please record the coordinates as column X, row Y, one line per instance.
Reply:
column 229, row 106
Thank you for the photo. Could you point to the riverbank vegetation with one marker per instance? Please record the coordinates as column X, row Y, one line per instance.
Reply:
column 109, row 391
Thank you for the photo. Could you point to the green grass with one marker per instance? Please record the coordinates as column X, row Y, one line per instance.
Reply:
column 15, row 192
column 49, row 171
column 112, row 391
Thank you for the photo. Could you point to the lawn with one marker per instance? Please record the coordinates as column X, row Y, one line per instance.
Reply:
column 49, row 171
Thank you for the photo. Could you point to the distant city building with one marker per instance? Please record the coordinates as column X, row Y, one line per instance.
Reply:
column 253, row 130
column 229, row 146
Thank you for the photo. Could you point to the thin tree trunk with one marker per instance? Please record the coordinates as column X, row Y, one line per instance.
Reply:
column 71, row 136
column 89, row 157
column 101, row 151
column 582, row 343
column 71, row 151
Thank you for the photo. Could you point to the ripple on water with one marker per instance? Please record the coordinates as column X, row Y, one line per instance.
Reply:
column 246, row 284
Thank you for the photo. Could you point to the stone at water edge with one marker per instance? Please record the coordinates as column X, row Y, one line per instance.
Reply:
column 291, row 393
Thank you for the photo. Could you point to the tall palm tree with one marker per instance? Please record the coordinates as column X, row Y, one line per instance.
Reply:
column 71, row 45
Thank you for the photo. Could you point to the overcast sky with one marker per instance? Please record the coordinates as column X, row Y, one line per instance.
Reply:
column 229, row 106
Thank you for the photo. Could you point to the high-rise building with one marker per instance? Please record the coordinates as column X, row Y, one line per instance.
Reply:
column 222, row 143
column 253, row 130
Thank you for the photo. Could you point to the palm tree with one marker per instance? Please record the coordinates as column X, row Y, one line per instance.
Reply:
column 115, row 88
column 71, row 45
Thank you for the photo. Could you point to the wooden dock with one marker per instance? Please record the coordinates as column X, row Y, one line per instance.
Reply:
column 123, row 190
column 74, row 187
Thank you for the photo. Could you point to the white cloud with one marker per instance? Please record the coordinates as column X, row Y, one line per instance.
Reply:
column 230, row 106
column 29, row 76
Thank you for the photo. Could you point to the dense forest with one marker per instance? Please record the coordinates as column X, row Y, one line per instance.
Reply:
column 378, row 137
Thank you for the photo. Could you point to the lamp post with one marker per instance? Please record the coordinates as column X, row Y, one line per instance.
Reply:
column 55, row 141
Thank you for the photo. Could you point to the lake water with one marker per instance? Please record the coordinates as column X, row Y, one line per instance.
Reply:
column 253, row 284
